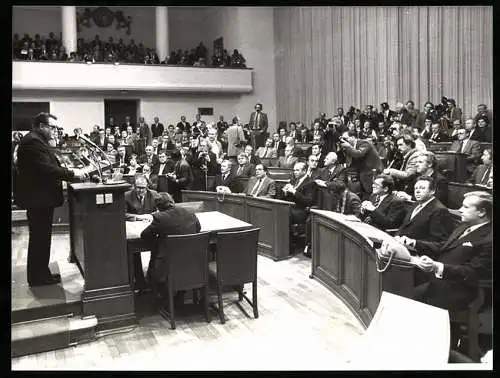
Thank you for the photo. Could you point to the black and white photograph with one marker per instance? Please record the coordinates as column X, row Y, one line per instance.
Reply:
column 252, row 188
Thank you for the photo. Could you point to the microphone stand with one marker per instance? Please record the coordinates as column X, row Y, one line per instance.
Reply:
column 95, row 148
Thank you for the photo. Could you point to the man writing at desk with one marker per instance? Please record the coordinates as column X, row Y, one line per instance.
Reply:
column 169, row 220
column 140, row 204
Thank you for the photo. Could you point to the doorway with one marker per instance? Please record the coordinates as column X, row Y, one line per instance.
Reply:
column 119, row 109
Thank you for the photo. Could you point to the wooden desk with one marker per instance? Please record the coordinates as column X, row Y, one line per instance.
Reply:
column 442, row 146
column 457, row 190
column 210, row 221
column 453, row 164
column 270, row 215
column 344, row 260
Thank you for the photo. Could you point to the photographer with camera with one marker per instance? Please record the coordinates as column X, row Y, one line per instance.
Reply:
column 362, row 160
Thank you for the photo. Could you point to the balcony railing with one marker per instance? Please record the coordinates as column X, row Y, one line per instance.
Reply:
column 50, row 75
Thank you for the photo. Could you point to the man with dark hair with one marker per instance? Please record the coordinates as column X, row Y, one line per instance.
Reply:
column 38, row 189
column 408, row 170
column 469, row 147
column 169, row 220
column 385, row 210
column 362, row 159
column 258, row 125
column 261, row 185
column 427, row 219
column 301, row 192
column 347, row 202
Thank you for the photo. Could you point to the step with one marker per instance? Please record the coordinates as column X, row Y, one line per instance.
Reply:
column 48, row 334
column 32, row 303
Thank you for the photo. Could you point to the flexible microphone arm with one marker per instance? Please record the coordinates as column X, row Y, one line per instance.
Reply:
column 93, row 151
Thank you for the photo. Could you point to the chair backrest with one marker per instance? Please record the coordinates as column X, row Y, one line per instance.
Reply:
column 184, row 258
column 237, row 256
column 193, row 206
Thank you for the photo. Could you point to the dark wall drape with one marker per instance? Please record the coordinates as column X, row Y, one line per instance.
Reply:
column 341, row 56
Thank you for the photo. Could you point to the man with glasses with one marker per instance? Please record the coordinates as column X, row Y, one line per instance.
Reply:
column 139, row 206
column 38, row 189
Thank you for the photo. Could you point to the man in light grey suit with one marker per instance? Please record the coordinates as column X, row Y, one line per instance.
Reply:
column 258, row 126
column 261, row 185
column 287, row 161
column 235, row 139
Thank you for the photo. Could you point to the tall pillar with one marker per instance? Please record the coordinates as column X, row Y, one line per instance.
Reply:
column 161, row 36
column 69, row 30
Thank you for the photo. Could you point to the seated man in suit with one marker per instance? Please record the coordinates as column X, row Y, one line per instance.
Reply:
column 164, row 165
column 331, row 171
column 346, row 202
column 148, row 157
column 386, row 210
column 427, row 219
column 252, row 158
column 139, row 205
column 169, row 220
column 483, row 174
column 426, row 165
column 261, row 185
column 436, row 135
column 408, row 170
column 467, row 146
column 267, row 152
column 244, row 167
column 312, row 167
column 455, row 265
column 288, row 161
column 226, row 181
column 301, row 192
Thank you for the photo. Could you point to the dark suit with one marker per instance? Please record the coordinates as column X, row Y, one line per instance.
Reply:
column 466, row 259
column 267, row 188
column 167, row 168
column 38, row 189
column 248, row 170
column 441, row 185
column 433, row 223
column 363, row 160
column 184, row 126
column 151, row 162
column 259, row 128
column 325, row 200
column 481, row 174
column 304, row 197
column 389, row 213
column 174, row 221
column 157, row 129
column 437, row 138
column 200, row 166
column 133, row 206
column 348, row 203
column 231, row 182
column 184, row 175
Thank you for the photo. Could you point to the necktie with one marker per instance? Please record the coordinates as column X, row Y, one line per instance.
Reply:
column 224, row 177
column 486, row 176
column 255, row 189
column 462, row 149
column 265, row 153
column 240, row 170
column 256, row 123
column 377, row 201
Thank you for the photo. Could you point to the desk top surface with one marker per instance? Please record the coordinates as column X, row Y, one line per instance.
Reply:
column 210, row 221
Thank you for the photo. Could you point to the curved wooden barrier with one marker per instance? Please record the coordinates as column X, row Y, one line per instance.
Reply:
column 344, row 260
column 270, row 215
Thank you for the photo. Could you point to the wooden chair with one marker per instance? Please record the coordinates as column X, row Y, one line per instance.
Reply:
column 182, row 264
column 236, row 265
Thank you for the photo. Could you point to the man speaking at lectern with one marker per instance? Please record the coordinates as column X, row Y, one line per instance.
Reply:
column 38, row 189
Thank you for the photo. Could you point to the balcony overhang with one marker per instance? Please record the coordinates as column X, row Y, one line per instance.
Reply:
column 127, row 77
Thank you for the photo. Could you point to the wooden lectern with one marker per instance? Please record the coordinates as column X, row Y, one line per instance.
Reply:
column 99, row 246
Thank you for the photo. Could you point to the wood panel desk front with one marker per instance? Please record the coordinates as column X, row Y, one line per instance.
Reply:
column 270, row 215
column 344, row 260
column 453, row 164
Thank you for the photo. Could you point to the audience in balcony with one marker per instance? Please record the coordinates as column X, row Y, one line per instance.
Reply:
column 110, row 51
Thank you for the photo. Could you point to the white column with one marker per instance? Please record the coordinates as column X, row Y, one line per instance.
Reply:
column 69, row 31
column 161, row 36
